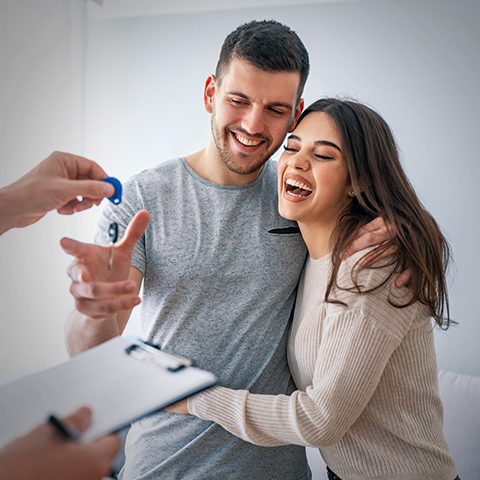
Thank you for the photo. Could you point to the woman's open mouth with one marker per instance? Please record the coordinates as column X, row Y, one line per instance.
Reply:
column 297, row 188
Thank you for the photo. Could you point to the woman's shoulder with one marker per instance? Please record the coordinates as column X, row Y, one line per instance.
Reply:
column 368, row 291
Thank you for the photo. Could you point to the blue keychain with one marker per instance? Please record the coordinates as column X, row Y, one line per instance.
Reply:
column 116, row 198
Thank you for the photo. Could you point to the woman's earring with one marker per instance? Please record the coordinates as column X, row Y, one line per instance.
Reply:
column 351, row 193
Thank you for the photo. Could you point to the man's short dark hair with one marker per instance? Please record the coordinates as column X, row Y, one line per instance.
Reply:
column 267, row 45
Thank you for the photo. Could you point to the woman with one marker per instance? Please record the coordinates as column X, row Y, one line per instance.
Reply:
column 360, row 350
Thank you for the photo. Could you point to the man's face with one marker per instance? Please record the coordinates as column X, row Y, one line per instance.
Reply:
column 252, row 111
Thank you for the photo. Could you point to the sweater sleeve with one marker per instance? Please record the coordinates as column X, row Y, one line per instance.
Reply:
column 356, row 344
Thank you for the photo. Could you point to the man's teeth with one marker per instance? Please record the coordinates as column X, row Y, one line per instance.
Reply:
column 295, row 183
column 247, row 141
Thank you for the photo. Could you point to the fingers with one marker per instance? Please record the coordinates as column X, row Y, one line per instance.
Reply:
column 102, row 308
column 90, row 188
column 77, row 205
column 75, row 248
column 79, row 420
column 135, row 230
column 371, row 257
column 78, row 167
column 403, row 279
column 373, row 233
column 78, row 272
column 95, row 290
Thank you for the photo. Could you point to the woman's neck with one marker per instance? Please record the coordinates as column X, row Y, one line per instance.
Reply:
column 317, row 238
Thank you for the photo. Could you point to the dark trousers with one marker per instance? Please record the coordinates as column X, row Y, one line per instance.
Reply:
column 332, row 476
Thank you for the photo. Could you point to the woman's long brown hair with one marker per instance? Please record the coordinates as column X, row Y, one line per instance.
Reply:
column 382, row 189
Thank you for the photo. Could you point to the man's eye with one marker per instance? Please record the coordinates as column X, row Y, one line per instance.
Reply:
column 277, row 112
column 237, row 101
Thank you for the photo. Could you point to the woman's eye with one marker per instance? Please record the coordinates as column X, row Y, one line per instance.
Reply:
column 289, row 149
column 323, row 157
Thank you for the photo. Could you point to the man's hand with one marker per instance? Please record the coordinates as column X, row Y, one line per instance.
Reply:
column 99, row 292
column 179, row 407
column 373, row 234
column 63, row 182
column 43, row 454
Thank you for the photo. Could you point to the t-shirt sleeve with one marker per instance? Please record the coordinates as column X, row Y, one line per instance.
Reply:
column 132, row 202
column 356, row 343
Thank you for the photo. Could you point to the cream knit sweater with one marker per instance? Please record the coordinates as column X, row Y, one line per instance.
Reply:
column 367, row 380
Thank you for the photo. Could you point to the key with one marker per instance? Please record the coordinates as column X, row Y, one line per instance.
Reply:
column 113, row 234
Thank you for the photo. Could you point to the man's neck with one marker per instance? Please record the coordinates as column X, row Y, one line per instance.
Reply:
column 207, row 164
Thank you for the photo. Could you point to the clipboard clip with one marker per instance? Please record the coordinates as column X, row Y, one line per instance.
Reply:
column 148, row 353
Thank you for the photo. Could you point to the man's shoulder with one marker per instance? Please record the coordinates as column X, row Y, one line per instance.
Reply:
column 154, row 177
column 158, row 171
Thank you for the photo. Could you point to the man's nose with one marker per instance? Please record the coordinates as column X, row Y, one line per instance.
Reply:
column 253, row 121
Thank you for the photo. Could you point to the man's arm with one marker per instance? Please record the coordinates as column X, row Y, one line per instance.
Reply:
column 104, row 297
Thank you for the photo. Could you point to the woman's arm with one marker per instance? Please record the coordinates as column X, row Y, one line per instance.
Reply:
column 357, row 342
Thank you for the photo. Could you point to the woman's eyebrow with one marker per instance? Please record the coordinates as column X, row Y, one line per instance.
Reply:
column 328, row 144
column 318, row 142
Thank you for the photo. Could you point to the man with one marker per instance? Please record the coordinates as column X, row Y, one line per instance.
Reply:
column 56, row 183
column 219, row 265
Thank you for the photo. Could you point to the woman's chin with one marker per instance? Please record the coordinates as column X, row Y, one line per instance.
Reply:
column 288, row 212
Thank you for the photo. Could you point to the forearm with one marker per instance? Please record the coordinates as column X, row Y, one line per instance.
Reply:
column 8, row 217
column 83, row 333
column 268, row 420
column 343, row 382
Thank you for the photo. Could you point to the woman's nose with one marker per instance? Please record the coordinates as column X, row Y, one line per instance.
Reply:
column 299, row 161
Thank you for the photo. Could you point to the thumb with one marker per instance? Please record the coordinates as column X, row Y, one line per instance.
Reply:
column 80, row 419
column 135, row 229
column 94, row 189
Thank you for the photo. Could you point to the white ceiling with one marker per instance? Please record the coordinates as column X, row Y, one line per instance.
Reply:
column 136, row 8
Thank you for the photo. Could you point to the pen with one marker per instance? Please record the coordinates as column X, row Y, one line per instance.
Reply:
column 64, row 430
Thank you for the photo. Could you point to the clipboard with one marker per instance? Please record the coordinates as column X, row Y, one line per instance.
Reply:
column 121, row 380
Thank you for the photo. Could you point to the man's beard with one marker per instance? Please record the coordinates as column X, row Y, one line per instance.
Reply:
column 226, row 156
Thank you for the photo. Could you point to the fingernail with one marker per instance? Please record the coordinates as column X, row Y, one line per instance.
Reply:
column 108, row 189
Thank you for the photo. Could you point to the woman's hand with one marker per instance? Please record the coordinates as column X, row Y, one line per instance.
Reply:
column 179, row 407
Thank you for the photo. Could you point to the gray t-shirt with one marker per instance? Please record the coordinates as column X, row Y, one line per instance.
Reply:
column 219, row 289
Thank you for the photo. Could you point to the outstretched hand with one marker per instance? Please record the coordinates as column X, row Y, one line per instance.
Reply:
column 99, row 291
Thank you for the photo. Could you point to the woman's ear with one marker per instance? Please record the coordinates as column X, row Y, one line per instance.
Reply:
column 209, row 92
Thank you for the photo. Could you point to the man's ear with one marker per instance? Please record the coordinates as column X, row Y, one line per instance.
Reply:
column 296, row 114
column 209, row 92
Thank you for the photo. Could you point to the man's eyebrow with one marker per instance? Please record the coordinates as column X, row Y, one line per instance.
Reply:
column 318, row 142
column 272, row 104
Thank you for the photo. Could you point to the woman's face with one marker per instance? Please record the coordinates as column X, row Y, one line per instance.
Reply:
column 313, row 179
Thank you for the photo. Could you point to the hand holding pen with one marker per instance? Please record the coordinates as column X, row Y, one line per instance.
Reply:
column 47, row 453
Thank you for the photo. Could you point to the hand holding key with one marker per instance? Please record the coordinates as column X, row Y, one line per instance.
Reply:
column 100, row 291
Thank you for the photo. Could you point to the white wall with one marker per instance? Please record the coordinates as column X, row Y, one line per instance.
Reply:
column 42, row 48
column 416, row 62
